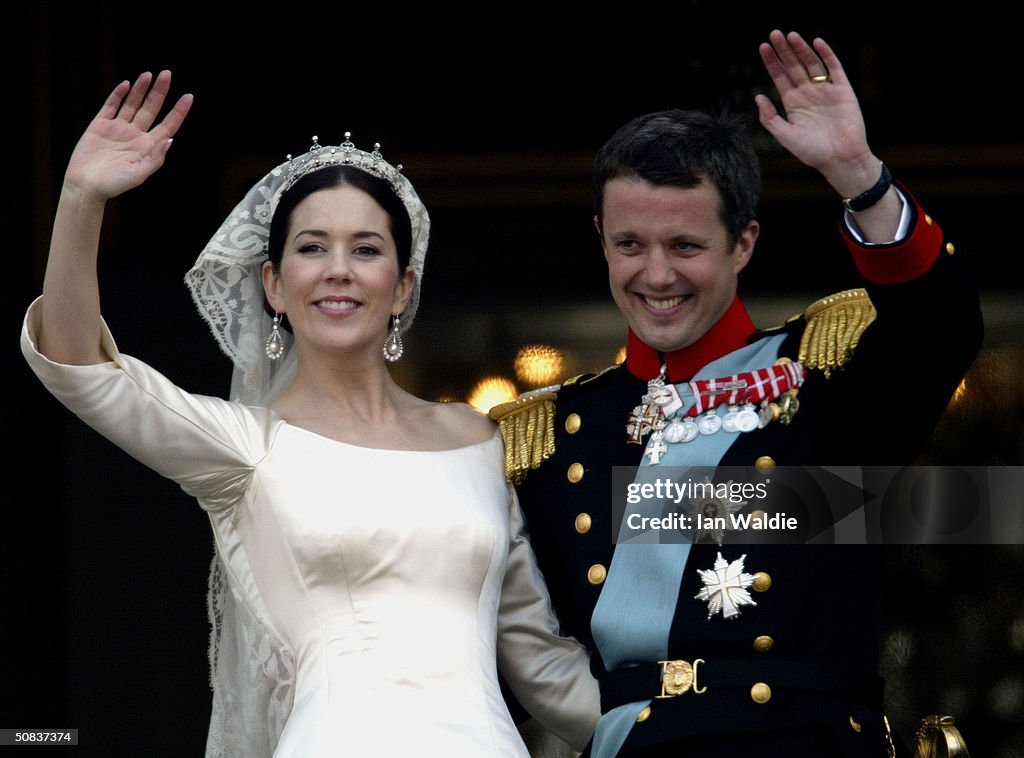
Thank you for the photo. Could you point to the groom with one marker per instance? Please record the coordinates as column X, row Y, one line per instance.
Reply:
column 705, row 647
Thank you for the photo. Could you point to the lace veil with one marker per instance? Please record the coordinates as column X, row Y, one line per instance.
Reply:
column 251, row 669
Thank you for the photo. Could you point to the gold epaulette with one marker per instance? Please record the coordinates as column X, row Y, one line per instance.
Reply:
column 527, row 425
column 936, row 731
column 834, row 326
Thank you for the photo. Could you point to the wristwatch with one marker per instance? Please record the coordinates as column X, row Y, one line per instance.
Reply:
column 866, row 199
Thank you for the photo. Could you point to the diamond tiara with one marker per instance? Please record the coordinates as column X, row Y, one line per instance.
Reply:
column 345, row 154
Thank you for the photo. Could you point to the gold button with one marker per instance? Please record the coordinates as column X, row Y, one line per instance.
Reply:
column 928, row 219
column 783, row 361
column 763, row 643
column 854, row 724
column 761, row 582
column 575, row 472
column 760, row 693
column 596, row 574
column 765, row 464
column 572, row 423
column 950, row 248
column 583, row 523
column 758, row 514
column 643, row 715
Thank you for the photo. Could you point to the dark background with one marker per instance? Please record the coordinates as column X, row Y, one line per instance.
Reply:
column 495, row 113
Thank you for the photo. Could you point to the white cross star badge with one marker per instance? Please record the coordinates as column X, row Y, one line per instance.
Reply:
column 725, row 587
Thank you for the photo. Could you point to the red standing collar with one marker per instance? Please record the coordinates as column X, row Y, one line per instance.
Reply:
column 731, row 332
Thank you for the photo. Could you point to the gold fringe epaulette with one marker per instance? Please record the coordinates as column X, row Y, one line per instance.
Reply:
column 834, row 326
column 938, row 736
column 528, row 427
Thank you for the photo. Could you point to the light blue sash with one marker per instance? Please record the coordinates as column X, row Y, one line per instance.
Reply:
column 634, row 613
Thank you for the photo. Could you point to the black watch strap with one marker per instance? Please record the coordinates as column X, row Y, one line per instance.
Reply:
column 866, row 199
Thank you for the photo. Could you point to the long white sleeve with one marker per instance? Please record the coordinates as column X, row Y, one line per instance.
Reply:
column 548, row 672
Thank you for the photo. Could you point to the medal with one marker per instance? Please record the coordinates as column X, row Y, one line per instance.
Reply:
column 746, row 419
column 725, row 587
column 729, row 420
column 674, row 431
column 681, row 430
column 788, row 406
column 655, row 449
column 660, row 395
column 712, row 513
column 709, row 423
column 648, row 415
column 641, row 421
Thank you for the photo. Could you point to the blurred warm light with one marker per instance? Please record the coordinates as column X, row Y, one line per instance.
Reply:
column 620, row 356
column 490, row 391
column 538, row 365
column 960, row 391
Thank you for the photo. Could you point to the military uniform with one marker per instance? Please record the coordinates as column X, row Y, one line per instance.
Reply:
column 798, row 670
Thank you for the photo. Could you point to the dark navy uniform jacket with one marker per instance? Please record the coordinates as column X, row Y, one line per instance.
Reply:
column 799, row 670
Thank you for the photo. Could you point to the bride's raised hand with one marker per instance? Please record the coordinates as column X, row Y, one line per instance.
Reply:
column 124, row 144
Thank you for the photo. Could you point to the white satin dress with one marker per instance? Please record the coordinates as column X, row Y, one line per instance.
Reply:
column 369, row 593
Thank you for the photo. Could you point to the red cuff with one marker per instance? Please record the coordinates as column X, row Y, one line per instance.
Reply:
column 899, row 262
